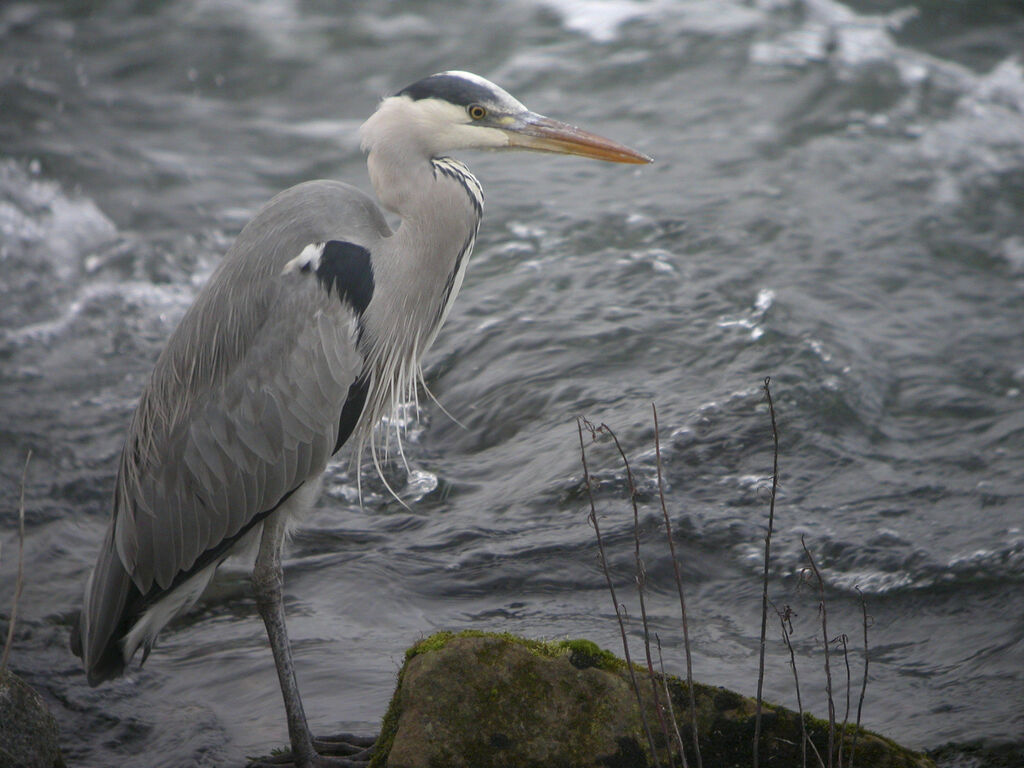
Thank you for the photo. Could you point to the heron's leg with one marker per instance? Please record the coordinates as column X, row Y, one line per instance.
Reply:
column 268, row 580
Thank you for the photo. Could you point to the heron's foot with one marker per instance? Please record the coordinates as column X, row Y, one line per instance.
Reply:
column 357, row 750
column 343, row 750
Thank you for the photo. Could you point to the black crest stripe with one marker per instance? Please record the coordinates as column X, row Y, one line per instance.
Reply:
column 451, row 88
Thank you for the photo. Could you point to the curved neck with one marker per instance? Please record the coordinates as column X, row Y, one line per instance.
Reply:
column 439, row 201
column 418, row 270
column 400, row 178
column 422, row 264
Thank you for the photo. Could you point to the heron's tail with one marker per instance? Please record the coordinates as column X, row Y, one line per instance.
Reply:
column 106, row 616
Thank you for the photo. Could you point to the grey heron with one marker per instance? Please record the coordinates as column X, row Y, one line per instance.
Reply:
column 311, row 329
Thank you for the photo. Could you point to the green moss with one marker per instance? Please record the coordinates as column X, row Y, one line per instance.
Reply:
column 439, row 640
column 434, row 642
column 584, row 654
column 389, row 725
column 726, row 723
column 505, row 700
column 491, row 715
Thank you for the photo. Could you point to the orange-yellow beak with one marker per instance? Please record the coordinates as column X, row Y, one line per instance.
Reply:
column 542, row 134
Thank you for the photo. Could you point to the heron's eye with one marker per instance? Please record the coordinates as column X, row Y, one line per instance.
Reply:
column 476, row 111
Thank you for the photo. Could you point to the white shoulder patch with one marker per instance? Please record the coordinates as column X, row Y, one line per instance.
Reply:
column 308, row 259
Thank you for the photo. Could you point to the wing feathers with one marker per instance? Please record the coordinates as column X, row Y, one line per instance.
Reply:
column 243, row 406
column 267, row 428
column 252, row 429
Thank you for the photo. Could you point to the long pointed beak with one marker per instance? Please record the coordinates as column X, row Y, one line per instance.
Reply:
column 542, row 134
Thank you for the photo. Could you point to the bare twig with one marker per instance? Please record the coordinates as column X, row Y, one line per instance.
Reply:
column 682, row 599
column 19, row 582
column 671, row 710
column 824, row 632
column 767, row 562
column 641, row 582
column 846, row 714
column 864, row 681
column 786, row 620
column 817, row 754
column 580, row 424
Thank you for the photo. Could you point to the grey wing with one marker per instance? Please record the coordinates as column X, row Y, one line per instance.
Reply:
column 245, row 443
column 245, row 402
column 245, row 405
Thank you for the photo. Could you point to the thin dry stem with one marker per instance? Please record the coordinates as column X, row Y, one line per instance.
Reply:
column 671, row 710
column 641, row 582
column 817, row 754
column 846, row 714
column 580, row 423
column 864, row 681
column 19, row 581
column 767, row 562
column 786, row 620
column 679, row 589
column 824, row 633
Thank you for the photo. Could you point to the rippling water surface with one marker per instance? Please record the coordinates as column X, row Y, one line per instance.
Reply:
column 837, row 203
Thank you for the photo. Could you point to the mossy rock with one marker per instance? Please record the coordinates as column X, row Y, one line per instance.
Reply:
column 479, row 700
column 28, row 732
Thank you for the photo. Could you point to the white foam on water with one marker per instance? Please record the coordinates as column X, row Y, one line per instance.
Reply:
column 752, row 321
column 832, row 29
column 601, row 20
column 166, row 301
column 868, row 581
column 419, row 484
column 982, row 137
column 1013, row 251
column 38, row 218
column 288, row 30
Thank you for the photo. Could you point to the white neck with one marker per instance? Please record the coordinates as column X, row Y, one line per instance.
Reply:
column 403, row 136
column 419, row 269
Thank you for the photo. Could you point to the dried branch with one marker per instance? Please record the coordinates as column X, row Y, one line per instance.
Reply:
column 767, row 562
column 817, row 754
column 682, row 599
column 580, row 424
column 824, row 632
column 864, row 681
column 19, row 581
column 641, row 581
column 786, row 620
column 846, row 714
column 671, row 710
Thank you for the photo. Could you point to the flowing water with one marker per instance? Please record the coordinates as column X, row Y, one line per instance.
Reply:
column 837, row 203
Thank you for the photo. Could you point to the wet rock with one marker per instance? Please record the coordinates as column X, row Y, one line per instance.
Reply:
column 477, row 700
column 28, row 732
column 979, row 755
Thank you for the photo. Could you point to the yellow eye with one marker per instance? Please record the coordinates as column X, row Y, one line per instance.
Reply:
column 477, row 112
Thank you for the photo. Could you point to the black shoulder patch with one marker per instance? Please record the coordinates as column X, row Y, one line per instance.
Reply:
column 346, row 268
column 450, row 88
column 352, row 410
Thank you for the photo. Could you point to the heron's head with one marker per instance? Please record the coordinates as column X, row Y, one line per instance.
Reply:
column 459, row 110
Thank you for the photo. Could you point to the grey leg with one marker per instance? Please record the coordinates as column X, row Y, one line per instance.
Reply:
column 267, row 580
column 343, row 751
